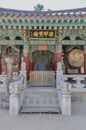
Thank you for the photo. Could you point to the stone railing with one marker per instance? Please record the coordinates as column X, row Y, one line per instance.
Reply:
column 64, row 96
column 3, row 83
column 4, row 90
column 16, row 90
column 64, row 92
column 68, row 85
column 77, row 81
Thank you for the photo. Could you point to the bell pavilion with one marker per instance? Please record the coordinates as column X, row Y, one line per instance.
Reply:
column 42, row 60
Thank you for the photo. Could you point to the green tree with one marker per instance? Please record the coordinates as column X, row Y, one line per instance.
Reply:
column 39, row 7
column 49, row 10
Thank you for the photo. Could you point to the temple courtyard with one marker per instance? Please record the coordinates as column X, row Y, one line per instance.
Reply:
column 45, row 121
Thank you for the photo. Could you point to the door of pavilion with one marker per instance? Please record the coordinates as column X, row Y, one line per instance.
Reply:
column 42, row 73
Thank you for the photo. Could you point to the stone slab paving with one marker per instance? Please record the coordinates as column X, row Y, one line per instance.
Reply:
column 42, row 121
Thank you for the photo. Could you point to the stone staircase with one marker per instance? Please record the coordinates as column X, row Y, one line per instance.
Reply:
column 40, row 99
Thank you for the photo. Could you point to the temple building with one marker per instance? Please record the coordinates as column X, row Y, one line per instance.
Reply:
column 42, row 59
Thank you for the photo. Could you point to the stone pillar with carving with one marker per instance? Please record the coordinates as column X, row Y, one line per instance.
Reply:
column 23, row 71
column 0, row 61
column 14, row 102
column 59, row 75
column 58, row 54
column 9, row 61
column 66, row 99
column 26, row 58
column 85, row 59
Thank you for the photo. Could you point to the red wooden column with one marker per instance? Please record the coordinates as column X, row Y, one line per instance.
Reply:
column 58, row 54
column 31, row 65
column 79, row 70
column 0, row 61
column 27, row 58
column 66, row 69
column 85, row 59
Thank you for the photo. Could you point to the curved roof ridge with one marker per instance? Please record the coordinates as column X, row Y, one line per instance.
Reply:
column 7, row 11
column 53, row 11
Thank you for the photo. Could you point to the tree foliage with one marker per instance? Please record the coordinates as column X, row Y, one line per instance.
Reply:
column 39, row 7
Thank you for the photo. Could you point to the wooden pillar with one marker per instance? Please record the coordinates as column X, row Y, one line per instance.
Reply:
column 26, row 58
column 58, row 54
column 66, row 69
column 53, row 66
column 79, row 70
column 85, row 59
column 31, row 65
column 0, row 61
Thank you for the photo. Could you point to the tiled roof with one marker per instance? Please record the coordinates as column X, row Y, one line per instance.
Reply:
column 77, row 11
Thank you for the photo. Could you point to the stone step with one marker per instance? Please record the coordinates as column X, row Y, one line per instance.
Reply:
column 40, row 89
column 40, row 109
column 40, row 101
column 41, row 105
column 40, row 94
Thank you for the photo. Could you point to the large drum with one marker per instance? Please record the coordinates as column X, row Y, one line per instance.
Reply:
column 76, row 58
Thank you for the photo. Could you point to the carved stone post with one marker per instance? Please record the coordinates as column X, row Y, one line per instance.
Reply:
column 9, row 61
column 58, row 54
column 14, row 103
column 85, row 59
column 59, row 75
column 66, row 100
column 59, row 81
column 26, row 58
column 0, row 61
column 24, row 72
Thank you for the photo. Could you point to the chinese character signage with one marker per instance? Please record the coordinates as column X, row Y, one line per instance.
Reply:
column 42, row 34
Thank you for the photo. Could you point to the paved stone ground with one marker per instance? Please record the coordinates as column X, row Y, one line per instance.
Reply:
column 46, row 121
column 43, row 121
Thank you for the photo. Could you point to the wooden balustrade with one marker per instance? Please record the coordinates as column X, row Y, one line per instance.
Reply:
column 42, row 78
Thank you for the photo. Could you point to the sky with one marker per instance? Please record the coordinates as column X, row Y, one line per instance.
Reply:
column 48, row 4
